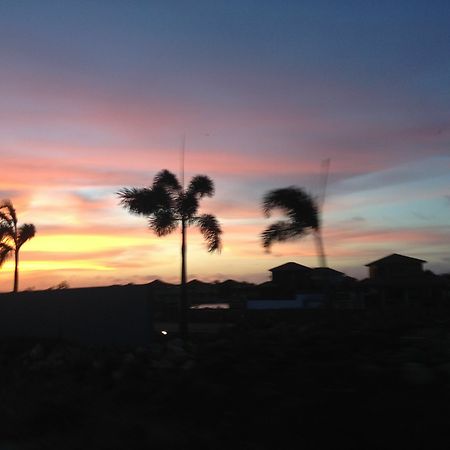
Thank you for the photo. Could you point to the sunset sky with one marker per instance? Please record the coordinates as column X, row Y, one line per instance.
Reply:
column 96, row 96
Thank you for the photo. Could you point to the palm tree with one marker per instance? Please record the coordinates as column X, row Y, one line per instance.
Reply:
column 5, row 248
column 303, row 217
column 168, row 204
column 13, row 237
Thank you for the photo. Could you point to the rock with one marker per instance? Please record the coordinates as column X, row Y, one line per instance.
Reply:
column 265, row 392
column 9, row 445
column 97, row 365
column 177, row 358
column 188, row 365
column 53, row 361
column 417, row 374
column 443, row 369
column 163, row 364
column 75, row 357
column 215, row 391
column 129, row 358
column 175, row 344
column 155, row 351
column 117, row 375
column 175, row 351
column 370, row 370
column 141, row 351
column 37, row 352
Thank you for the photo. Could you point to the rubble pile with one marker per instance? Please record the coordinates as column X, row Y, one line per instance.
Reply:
column 243, row 388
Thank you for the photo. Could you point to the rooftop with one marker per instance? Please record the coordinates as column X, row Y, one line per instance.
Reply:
column 327, row 271
column 290, row 267
column 395, row 258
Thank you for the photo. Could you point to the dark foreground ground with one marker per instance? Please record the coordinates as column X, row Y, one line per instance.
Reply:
column 329, row 383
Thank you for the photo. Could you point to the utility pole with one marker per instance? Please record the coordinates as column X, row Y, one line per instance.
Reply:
column 325, row 169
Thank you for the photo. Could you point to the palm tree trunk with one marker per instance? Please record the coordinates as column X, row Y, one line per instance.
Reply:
column 16, row 270
column 320, row 248
column 183, row 294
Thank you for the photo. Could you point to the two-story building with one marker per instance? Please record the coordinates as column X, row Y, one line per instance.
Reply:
column 395, row 267
column 401, row 281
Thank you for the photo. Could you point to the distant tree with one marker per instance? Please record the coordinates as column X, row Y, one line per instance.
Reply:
column 303, row 217
column 5, row 248
column 168, row 204
column 12, row 236
column 63, row 285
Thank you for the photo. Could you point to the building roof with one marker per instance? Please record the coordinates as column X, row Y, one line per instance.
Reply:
column 290, row 267
column 395, row 258
column 326, row 271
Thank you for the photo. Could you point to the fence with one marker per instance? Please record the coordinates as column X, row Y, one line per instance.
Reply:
column 103, row 315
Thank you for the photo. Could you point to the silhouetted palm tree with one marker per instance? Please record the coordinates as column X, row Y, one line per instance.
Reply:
column 303, row 217
column 167, row 204
column 5, row 248
column 13, row 237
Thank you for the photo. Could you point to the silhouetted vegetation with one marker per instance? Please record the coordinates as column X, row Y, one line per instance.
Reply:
column 303, row 217
column 12, row 237
column 168, row 204
column 354, row 383
column 63, row 285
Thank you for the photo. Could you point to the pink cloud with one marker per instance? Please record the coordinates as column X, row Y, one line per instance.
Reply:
column 389, row 235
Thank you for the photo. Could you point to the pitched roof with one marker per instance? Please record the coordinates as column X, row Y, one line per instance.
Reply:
column 395, row 258
column 327, row 270
column 290, row 267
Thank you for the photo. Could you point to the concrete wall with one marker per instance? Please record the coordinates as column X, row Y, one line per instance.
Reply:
column 104, row 315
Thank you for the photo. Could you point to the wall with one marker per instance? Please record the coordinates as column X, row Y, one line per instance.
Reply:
column 390, row 270
column 104, row 315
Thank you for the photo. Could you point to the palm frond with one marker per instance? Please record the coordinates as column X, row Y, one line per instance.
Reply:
column 10, row 214
column 163, row 222
column 281, row 231
column 5, row 218
column 145, row 201
column 26, row 232
column 167, row 179
column 201, row 186
column 298, row 205
column 5, row 252
column 187, row 205
column 6, row 231
column 211, row 231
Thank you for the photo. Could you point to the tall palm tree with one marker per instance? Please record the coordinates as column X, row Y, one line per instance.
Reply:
column 12, row 237
column 5, row 248
column 168, row 204
column 303, row 217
